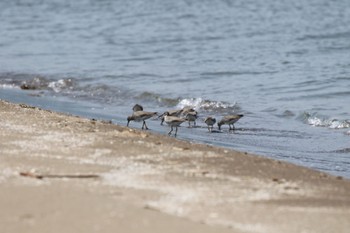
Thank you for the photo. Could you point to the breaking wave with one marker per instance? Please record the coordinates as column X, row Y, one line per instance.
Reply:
column 198, row 104
column 69, row 87
column 62, row 84
column 208, row 105
column 103, row 93
column 318, row 121
column 36, row 82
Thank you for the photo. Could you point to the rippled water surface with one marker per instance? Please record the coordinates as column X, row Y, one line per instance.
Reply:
column 284, row 64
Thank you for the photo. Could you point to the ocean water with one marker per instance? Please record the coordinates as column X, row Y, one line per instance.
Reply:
column 284, row 64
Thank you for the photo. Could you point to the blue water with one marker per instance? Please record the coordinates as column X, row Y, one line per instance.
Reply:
column 284, row 64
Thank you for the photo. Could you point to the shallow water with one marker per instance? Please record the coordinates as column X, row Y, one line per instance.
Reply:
column 285, row 65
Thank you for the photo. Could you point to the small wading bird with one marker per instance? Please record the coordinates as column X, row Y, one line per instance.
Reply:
column 186, row 110
column 175, row 113
column 191, row 116
column 229, row 120
column 210, row 121
column 178, row 112
column 173, row 121
column 137, row 107
column 141, row 116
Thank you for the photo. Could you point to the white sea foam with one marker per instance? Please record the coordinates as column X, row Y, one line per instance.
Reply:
column 57, row 86
column 330, row 123
column 8, row 86
column 201, row 104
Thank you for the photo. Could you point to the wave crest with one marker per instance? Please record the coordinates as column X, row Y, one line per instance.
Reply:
column 332, row 123
column 208, row 105
column 35, row 82
column 62, row 84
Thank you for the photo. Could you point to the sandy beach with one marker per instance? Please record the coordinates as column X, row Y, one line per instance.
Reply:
column 62, row 173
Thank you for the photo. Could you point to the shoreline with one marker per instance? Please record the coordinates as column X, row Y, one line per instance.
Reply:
column 151, row 182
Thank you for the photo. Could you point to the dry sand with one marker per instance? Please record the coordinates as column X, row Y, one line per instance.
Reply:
column 150, row 183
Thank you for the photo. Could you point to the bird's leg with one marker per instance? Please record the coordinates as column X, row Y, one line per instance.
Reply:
column 171, row 130
column 144, row 123
column 176, row 131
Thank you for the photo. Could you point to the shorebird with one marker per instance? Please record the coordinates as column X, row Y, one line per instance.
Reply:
column 173, row 121
column 141, row 116
column 210, row 121
column 186, row 110
column 175, row 113
column 137, row 107
column 191, row 116
column 229, row 120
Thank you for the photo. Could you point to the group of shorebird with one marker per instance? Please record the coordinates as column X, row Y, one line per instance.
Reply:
column 175, row 118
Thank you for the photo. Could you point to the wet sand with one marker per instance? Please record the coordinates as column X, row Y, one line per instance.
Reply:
column 146, row 182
